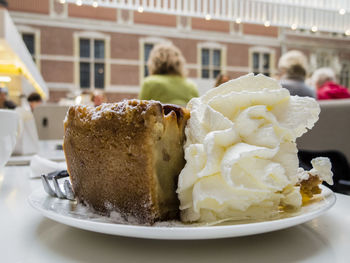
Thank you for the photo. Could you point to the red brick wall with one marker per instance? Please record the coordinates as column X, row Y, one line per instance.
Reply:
column 90, row 12
column 192, row 73
column 210, row 25
column 56, row 41
column 56, row 95
column 31, row 6
column 57, row 71
column 188, row 48
column 124, row 75
column 115, row 97
column 124, row 46
column 155, row 19
column 235, row 74
column 237, row 55
column 251, row 29
column 344, row 55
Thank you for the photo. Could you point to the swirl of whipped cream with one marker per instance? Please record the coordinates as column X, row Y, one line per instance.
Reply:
column 240, row 150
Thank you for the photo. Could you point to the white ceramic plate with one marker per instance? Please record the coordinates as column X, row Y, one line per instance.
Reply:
column 69, row 213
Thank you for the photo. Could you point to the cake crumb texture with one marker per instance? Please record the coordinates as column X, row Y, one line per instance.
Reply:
column 126, row 157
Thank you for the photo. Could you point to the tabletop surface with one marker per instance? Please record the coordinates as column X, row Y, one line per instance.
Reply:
column 27, row 236
column 49, row 149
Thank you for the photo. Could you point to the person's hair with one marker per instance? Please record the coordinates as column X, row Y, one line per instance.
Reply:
column 3, row 3
column 293, row 65
column 166, row 59
column 34, row 97
column 97, row 93
column 220, row 79
column 322, row 75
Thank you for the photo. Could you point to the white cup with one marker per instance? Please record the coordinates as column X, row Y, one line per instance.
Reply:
column 8, row 133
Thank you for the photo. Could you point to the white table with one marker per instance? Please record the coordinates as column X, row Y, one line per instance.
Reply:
column 26, row 236
column 47, row 149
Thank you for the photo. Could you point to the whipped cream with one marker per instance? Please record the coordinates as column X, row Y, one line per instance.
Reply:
column 240, row 150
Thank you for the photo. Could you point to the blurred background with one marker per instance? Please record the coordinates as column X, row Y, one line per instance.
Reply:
column 57, row 53
column 86, row 45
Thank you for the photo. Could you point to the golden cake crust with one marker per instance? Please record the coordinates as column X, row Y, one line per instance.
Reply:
column 126, row 157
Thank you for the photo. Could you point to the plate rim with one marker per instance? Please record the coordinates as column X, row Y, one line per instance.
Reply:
column 185, row 232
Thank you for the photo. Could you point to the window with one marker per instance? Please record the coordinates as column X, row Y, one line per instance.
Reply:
column 147, row 47
column 261, row 63
column 29, row 40
column 344, row 77
column 210, row 62
column 324, row 59
column 261, row 60
column 92, row 63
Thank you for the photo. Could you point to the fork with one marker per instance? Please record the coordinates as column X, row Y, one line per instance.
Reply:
column 56, row 191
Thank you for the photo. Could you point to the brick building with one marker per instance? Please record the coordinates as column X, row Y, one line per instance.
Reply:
column 82, row 47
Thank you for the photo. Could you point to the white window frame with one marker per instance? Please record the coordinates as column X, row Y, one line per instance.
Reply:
column 261, row 51
column 211, row 46
column 345, row 64
column 36, row 33
column 92, row 60
column 142, row 42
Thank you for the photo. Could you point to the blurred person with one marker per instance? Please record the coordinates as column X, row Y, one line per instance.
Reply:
column 34, row 100
column 167, row 82
column 221, row 79
column 292, row 68
column 326, row 87
column 84, row 98
column 97, row 98
column 4, row 102
column 3, row 3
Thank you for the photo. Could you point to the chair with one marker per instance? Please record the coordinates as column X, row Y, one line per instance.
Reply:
column 330, row 137
column 49, row 121
column 332, row 131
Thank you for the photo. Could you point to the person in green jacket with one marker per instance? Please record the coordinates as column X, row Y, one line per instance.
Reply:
column 167, row 82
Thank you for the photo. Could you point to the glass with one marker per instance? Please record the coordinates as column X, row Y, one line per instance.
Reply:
column 255, row 60
column 30, row 42
column 84, row 75
column 205, row 57
column 205, row 73
column 344, row 75
column 146, row 73
column 216, row 72
column 84, row 47
column 99, row 75
column 266, row 59
column 217, row 58
column 147, row 49
column 99, row 48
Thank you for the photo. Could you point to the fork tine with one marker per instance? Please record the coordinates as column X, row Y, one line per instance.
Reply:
column 58, row 191
column 47, row 186
column 68, row 190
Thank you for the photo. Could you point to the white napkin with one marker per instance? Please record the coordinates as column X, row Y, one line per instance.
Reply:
column 40, row 165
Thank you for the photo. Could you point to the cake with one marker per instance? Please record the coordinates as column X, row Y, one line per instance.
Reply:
column 126, row 157
column 230, row 155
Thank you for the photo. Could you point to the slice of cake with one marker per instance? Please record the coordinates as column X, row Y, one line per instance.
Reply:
column 126, row 157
